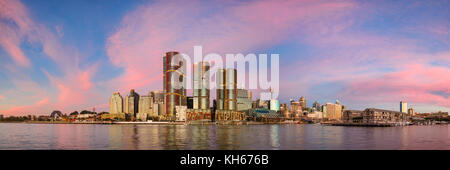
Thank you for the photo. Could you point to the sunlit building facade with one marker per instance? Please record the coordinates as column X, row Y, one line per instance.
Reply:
column 116, row 103
column 174, row 82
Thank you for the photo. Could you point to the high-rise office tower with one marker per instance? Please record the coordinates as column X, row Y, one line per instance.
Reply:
column 146, row 104
column 201, row 91
column 316, row 105
column 157, row 96
column 411, row 112
column 302, row 102
column 132, row 104
column 174, row 69
column 403, row 107
column 116, row 103
column 226, row 80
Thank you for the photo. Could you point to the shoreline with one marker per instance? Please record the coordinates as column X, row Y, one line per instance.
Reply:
column 212, row 123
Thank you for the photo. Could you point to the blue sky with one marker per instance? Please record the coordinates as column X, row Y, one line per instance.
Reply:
column 72, row 55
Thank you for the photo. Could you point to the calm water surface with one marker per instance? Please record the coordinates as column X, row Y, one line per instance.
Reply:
column 253, row 137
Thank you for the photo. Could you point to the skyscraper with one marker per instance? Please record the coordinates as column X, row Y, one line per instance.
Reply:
column 132, row 104
column 116, row 103
column 302, row 102
column 403, row 107
column 411, row 112
column 316, row 105
column 146, row 105
column 226, row 80
column 201, row 91
column 174, row 69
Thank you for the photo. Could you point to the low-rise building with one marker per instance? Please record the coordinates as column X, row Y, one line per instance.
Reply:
column 374, row 116
column 180, row 113
column 352, row 116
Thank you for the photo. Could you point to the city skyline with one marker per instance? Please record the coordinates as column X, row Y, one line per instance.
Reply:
column 365, row 54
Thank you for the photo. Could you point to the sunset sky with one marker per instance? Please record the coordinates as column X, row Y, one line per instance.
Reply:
column 73, row 54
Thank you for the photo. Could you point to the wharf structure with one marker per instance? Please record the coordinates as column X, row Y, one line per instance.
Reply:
column 373, row 117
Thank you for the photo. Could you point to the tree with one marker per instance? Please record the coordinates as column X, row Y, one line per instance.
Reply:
column 74, row 113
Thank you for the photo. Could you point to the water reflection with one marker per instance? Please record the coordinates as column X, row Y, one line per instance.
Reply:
column 58, row 136
column 274, row 138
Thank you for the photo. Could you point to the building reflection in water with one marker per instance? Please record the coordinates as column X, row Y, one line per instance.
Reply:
column 115, row 137
column 274, row 137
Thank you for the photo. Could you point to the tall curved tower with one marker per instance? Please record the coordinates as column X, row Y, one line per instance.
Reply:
column 174, row 69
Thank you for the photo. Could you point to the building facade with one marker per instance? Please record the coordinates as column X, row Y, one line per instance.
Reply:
column 244, row 99
column 352, row 116
column 146, row 105
column 373, row 116
column 174, row 82
column 411, row 112
column 403, row 107
column 131, row 104
column 302, row 102
column 226, row 80
column 333, row 111
column 201, row 92
column 116, row 103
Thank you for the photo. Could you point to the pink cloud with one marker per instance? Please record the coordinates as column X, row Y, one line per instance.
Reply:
column 415, row 83
column 75, row 88
column 9, row 40
column 152, row 29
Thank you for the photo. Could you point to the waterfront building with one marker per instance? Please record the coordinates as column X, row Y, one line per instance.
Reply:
column 174, row 82
column 260, row 103
column 226, row 80
column 316, row 105
column 145, row 104
column 190, row 102
column 244, row 100
column 229, row 115
column 259, row 114
column 274, row 105
column 324, row 111
column 116, row 103
column 115, row 116
column 295, row 107
column 352, row 116
column 302, row 102
column 198, row 114
column 316, row 115
column 333, row 111
column 283, row 107
column 145, row 107
column 201, row 90
column 411, row 112
column 157, row 96
column 131, row 104
column 403, row 107
column 180, row 113
column 377, row 116
column 159, row 109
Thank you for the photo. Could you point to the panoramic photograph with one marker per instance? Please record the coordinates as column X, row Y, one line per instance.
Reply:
column 224, row 75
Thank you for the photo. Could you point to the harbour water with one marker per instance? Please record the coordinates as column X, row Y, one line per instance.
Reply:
column 242, row 137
